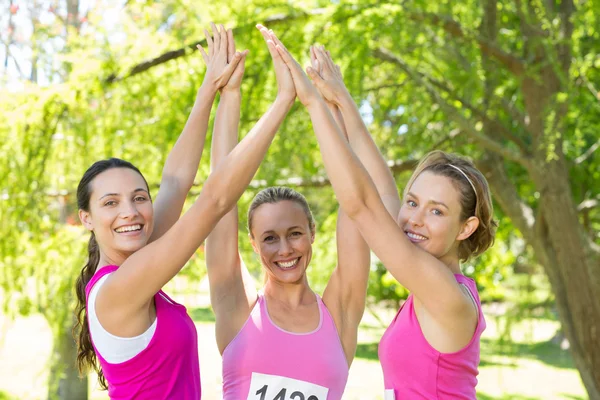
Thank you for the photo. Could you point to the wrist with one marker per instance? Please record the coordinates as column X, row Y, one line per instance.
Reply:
column 285, row 99
column 208, row 89
column 231, row 92
column 344, row 100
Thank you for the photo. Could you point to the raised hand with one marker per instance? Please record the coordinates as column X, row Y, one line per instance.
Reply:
column 285, row 84
column 326, row 75
column 306, row 92
column 236, row 78
column 221, row 59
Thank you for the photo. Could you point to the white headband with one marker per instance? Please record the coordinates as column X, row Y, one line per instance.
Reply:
column 470, row 182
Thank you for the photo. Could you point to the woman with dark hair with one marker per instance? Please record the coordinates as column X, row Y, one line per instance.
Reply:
column 142, row 343
column 286, row 341
column 431, row 349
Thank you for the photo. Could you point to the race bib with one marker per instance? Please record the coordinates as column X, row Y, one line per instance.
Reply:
column 273, row 387
column 389, row 394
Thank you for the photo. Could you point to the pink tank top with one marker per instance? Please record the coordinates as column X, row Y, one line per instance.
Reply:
column 415, row 370
column 168, row 368
column 265, row 362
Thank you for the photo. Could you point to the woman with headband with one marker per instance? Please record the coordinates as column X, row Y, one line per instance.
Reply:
column 431, row 349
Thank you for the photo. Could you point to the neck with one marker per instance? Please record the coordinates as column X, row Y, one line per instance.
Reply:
column 111, row 259
column 452, row 262
column 292, row 294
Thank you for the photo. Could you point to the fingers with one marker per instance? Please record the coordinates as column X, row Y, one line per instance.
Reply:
column 216, row 37
column 223, row 37
column 230, row 68
column 230, row 45
column 241, row 67
column 323, row 59
column 314, row 76
column 204, row 55
column 209, row 42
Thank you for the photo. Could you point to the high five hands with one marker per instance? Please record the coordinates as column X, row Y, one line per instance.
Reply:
column 224, row 65
column 327, row 80
column 307, row 93
column 326, row 75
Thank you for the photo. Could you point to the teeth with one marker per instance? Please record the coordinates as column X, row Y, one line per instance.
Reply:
column 128, row 228
column 415, row 236
column 288, row 264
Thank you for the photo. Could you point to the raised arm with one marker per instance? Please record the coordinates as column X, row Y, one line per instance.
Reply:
column 131, row 287
column 427, row 277
column 182, row 162
column 330, row 83
column 346, row 291
column 232, row 289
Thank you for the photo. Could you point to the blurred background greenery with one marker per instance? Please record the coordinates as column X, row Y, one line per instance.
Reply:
column 512, row 84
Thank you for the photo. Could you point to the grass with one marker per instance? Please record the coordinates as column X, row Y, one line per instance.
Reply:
column 202, row 314
column 527, row 366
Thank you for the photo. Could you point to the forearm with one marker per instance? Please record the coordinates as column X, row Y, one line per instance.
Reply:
column 225, row 132
column 350, row 181
column 234, row 173
column 365, row 148
column 337, row 116
column 183, row 160
column 222, row 243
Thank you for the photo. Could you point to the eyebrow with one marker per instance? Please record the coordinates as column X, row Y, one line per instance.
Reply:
column 430, row 201
column 117, row 194
column 271, row 231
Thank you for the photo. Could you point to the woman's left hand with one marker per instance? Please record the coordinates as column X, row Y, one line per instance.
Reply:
column 306, row 92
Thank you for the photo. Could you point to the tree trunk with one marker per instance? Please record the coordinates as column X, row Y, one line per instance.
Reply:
column 64, row 382
column 573, row 274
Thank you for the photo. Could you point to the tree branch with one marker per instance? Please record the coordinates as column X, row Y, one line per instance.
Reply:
column 452, row 112
column 497, row 125
column 512, row 63
column 174, row 54
column 587, row 153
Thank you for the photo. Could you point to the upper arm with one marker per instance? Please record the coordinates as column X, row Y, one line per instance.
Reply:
column 146, row 271
column 346, row 291
column 226, row 271
column 167, row 206
column 421, row 273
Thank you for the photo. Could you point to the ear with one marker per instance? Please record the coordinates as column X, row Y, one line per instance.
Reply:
column 468, row 227
column 86, row 220
column 312, row 237
column 253, row 243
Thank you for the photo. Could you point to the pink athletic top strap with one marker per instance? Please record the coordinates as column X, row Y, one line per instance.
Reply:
column 265, row 361
column 415, row 370
column 168, row 368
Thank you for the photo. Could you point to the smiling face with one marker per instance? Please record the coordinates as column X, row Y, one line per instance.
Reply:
column 282, row 237
column 430, row 217
column 120, row 213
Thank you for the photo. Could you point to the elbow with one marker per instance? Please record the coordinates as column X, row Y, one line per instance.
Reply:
column 217, row 197
column 353, row 205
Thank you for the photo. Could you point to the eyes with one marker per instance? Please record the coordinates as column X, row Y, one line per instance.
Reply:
column 272, row 238
column 137, row 199
column 434, row 211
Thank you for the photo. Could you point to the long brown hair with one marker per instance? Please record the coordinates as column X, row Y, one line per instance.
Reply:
column 86, row 356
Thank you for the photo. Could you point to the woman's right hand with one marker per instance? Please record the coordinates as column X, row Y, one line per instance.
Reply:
column 285, row 84
column 219, row 64
column 306, row 92
column 328, row 76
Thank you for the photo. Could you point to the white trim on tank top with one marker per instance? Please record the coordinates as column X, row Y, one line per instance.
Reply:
column 115, row 349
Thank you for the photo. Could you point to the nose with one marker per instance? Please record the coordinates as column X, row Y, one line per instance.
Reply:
column 128, row 210
column 285, row 247
column 416, row 218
